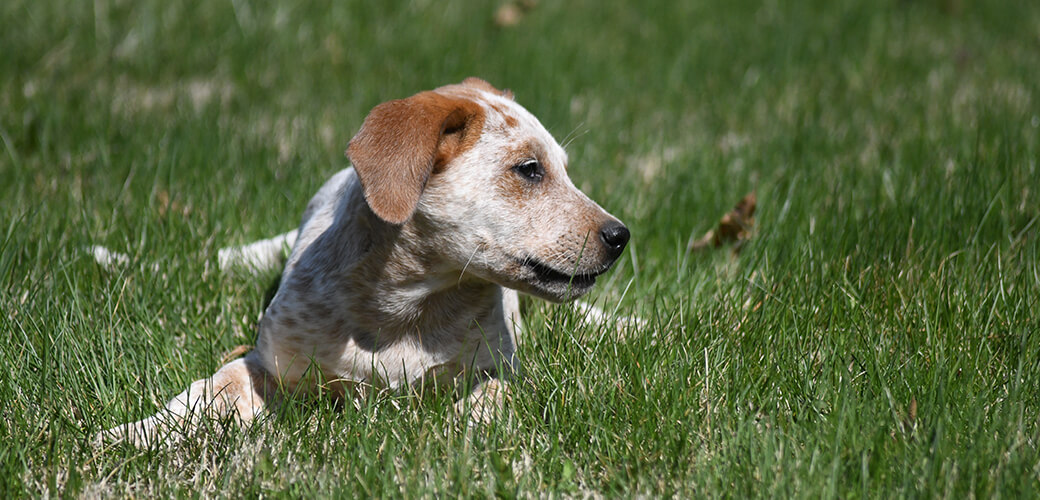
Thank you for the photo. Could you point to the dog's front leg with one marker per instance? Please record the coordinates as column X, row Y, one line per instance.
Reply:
column 486, row 401
column 240, row 389
column 491, row 391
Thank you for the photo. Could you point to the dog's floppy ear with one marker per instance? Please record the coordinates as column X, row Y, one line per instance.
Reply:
column 402, row 141
column 483, row 85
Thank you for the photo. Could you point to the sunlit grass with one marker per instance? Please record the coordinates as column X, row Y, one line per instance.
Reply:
column 878, row 337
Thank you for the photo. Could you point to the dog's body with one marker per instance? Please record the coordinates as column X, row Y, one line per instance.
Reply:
column 405, row 267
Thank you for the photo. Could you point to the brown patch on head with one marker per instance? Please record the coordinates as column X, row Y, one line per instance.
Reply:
column 510, row 120
column 402, row 141
column 527, row 150
column 477, row 83
column 517, row 189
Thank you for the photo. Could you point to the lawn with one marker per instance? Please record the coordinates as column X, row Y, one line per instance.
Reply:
column 878, row 336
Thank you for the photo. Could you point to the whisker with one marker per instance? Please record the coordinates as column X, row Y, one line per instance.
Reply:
column 470, row 259
column 574, row 134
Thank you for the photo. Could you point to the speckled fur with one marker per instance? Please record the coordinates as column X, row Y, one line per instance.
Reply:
column 368, row 300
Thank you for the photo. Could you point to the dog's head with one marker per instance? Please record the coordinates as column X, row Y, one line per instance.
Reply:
column 487, row 186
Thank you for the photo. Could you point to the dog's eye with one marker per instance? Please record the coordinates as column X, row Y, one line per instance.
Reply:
column 531, row 170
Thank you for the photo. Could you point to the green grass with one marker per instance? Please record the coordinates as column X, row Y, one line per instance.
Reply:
column 893, row 146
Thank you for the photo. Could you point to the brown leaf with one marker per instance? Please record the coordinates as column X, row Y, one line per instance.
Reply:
column 511, row 13
column 908, row 423
column 508, row 15
column 166, row 204
column 735, row 227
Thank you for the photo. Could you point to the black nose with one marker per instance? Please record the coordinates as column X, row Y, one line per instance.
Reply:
column 615, row 236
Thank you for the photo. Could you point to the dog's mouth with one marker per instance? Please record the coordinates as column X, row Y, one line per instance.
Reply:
column 546, row 276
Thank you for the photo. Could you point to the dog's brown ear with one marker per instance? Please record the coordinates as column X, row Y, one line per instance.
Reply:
column 402, row 141
column 484, row 85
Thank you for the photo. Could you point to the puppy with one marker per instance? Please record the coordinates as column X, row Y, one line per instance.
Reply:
column 405, row 268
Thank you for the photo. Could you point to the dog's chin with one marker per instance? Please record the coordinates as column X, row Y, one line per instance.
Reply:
column 557, row 292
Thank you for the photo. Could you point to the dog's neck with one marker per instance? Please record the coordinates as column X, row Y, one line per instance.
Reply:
column 402, row 286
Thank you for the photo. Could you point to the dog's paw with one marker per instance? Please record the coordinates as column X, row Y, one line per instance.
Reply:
column 258, row 256
column 132, row 434
column 485, row 403
column 592, row 315
column 108, row 259
column 152, row 432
